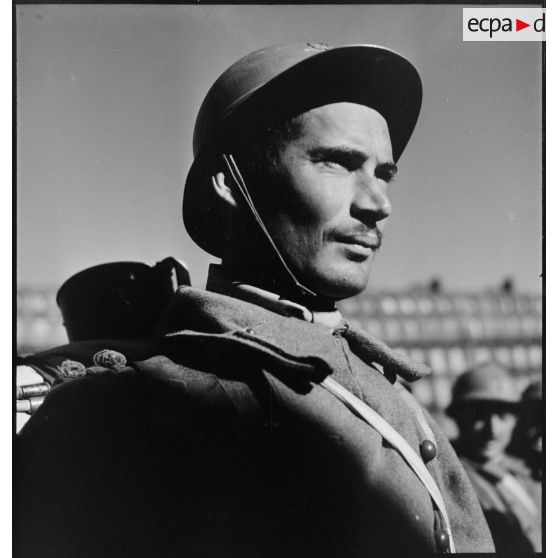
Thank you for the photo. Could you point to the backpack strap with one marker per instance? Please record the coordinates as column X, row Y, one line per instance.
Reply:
column 389, row 434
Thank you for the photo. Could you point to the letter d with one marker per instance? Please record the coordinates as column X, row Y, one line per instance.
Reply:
column 536, row 24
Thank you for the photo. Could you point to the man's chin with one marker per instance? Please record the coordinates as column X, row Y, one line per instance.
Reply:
column 344, row 283
column 490, row 453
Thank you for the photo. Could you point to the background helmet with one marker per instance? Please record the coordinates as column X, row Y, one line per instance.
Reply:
column 488, row 383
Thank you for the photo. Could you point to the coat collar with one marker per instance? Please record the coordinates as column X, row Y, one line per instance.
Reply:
column 204, row 312
column 219, row 281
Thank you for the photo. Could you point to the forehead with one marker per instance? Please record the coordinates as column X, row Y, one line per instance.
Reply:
column 485, row 410
column 347, row 123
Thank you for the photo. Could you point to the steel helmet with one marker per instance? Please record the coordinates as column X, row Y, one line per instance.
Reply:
column 533, row 393
column 485, row 383
column 287, row 80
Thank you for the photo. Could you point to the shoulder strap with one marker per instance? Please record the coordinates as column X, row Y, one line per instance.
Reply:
column 396, row 440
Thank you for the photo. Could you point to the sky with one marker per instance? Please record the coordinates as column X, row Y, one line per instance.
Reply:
column 107, row 98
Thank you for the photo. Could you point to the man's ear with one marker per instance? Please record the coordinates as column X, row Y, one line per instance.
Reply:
column 223, row 190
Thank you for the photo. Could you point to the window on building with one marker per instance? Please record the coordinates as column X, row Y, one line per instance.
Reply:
column 412, row 330
column 442, row 391
column 425, row 305
column 443, row 305
column 450, row 328
column 456, row 360
column 520, row 357
column 389, row 305
column 408, row 305
column 438, row 360
column 482, row 354
column 474, row 327
column 503, row 355
column 392, row 330
column 535, row 356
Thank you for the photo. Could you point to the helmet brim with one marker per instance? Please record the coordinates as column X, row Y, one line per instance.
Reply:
column 365, row 74
column 481, row 401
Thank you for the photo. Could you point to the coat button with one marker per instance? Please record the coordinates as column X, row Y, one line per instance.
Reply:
column 427, row 451
column 442, row 540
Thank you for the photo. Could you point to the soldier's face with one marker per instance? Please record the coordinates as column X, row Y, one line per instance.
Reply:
column 487, row 432
column 330, row 201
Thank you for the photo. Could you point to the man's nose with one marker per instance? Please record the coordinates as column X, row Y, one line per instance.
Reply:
column 495, row 424
column 370, row 201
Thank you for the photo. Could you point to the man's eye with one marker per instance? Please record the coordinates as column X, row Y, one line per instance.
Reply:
column 334, row 163
column 347, row 163
column 338, row 159
column 387, row 175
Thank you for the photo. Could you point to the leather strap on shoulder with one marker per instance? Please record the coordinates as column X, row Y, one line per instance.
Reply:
column 397, row 441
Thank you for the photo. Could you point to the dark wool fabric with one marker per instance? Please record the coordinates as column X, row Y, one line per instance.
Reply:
column 515, row 529
column 217, row 441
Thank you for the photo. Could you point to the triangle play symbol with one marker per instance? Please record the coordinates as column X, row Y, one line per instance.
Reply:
column 519, row 25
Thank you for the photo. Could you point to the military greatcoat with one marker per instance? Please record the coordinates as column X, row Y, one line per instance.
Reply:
column 218, row 440
column 511, row 503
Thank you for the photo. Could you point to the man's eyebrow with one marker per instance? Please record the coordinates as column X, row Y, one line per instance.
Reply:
column 323, row 152
column 355, row 155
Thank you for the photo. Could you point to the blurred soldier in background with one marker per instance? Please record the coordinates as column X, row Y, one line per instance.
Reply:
column 527, row 441
column 486, row 406
column 261, row 423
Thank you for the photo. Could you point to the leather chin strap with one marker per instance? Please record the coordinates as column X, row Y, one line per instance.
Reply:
column 241, row 185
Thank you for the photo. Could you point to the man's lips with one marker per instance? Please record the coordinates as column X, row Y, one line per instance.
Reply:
column 369, row 240
column 490, row 446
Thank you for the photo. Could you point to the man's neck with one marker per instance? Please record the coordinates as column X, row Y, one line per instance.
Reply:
column 218, row 281
column 272, row 277
column 249, row 258
column 225, row 281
